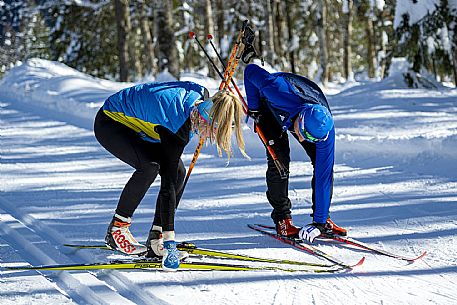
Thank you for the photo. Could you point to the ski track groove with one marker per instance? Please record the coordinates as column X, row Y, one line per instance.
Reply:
column 119, row 286
column 128, row 291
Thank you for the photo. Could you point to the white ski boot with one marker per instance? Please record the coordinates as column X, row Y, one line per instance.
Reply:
column 155, row 245
column 118, row 237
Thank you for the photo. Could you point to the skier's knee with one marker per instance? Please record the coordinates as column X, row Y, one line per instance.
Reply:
column 151, row 170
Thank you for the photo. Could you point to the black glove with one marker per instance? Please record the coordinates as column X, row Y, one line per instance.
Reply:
column 255, row 115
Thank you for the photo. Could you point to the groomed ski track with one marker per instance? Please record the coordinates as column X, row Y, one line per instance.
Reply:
column 58, row 185
column 38, row 243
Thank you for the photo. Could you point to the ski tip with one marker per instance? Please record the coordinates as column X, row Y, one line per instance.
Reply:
column 210, row 36
column 359, row 263
column 412, row 260
column 191, row 34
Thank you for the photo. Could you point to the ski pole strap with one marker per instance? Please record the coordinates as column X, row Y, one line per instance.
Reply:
column 249, row 51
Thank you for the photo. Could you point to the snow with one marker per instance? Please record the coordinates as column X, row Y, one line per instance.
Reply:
column 395, row 188
column 415, row 9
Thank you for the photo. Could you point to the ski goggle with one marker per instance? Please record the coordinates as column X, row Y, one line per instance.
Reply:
column 305, row 134
column 308, row 137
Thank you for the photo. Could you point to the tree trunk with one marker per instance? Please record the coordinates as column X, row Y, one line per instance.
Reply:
column 221, row 27
column 135, row 52
column 291, row 49
column 347, row 61
column 209, row 29
column 168, row 55
column 122, row 22
column 280, row 26
column 321, row 30
column 148, row 48
column 454, row 55
column 454, row 64
column 269, row 50
column 371, row 49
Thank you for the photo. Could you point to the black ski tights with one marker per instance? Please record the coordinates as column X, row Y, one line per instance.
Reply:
column 143, row 156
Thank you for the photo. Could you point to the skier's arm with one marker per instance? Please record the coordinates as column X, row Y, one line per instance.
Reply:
column 254, row 78
column 323, row 177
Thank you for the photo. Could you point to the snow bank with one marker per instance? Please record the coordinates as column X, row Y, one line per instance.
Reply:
column 407, row 123
column 55, row 86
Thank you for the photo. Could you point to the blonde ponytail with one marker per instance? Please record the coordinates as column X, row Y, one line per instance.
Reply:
column 227, row 110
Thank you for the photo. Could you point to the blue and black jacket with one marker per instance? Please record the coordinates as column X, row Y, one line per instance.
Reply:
column 286, row 95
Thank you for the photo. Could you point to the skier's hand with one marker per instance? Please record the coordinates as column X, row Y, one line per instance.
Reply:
column 250, row 122
column 255, row 115
column 311, row 231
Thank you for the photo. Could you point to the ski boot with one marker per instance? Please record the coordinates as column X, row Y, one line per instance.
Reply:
column 337, row 230
column 119, row 238
column 285, row 227
column 156, row 248
column 155, row 244
column 170, row 260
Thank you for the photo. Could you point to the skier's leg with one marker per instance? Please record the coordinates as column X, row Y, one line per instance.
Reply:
column 155, row 241
column 277, row 188
column 125, row 144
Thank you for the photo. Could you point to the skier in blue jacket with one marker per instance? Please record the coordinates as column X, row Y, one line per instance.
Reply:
column 282, row 102
column 147, row 126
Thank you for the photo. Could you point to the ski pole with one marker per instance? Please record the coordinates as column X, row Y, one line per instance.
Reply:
column 192, row 35
column 232, row 63
column 283, row 172
column 202, row 140
column 191, row 166
column 221, row 86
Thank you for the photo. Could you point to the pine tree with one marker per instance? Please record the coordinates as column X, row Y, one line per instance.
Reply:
column 167, row 53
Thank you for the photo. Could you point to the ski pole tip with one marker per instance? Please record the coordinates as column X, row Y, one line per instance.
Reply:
column 210, row 36
column 191, row 34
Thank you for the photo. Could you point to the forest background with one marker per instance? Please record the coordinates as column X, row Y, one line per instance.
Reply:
column 325, row 40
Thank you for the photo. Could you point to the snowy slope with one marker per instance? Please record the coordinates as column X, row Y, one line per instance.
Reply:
column 395, row 187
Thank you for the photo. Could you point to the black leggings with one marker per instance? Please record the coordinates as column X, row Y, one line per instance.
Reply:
column 144, row 157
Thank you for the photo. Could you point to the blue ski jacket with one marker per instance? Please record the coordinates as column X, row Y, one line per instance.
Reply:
column 286, row 95
column 144, row 107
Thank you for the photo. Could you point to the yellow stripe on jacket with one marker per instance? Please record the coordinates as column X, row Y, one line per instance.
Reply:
column 135, row 124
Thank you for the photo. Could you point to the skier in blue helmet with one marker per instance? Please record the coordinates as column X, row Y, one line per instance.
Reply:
column 147, row 126
column 281, row 102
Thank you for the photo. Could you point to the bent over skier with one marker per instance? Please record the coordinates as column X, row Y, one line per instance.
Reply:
column 147, row 126
column 282, row 102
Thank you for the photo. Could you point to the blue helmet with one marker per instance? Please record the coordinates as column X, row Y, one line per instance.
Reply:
column 315, row 123
column 204, row 109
